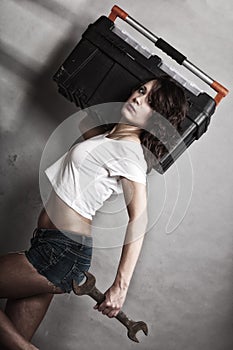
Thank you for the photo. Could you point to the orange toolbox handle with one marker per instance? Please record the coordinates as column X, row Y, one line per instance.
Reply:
column 170, row 51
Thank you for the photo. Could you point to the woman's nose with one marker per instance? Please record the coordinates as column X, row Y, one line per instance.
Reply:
column 138, row 99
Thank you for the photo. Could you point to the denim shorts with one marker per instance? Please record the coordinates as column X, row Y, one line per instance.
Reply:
column 60, row 258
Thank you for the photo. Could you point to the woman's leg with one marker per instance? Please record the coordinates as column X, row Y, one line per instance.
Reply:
column 19, row 279
column 10, row 339
column 27, row 313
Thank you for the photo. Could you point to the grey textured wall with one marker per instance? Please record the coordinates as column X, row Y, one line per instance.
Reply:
column 182, row 286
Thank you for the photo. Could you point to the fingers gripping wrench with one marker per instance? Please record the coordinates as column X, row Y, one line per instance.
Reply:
column 90, row 289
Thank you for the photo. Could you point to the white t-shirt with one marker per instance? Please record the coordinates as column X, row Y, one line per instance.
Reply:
column 89, row 173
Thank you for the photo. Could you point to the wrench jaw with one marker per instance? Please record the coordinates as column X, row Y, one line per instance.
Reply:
column 137, row 326
column 132, row 336
column 86, row 287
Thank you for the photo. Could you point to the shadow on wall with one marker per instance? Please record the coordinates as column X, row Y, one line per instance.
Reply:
column 19, row 215
column 22, row 203
column 41, row 101
column 42, row 92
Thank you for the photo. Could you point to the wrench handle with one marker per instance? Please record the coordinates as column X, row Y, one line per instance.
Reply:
column 97, row 295
column 121, row 316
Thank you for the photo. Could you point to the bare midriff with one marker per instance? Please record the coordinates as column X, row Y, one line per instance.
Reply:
column 58, row 215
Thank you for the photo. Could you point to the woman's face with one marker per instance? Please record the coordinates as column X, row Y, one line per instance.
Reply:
column 136, row 110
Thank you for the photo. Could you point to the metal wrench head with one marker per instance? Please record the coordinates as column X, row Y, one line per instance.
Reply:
column 86, row 287
column 137, row 326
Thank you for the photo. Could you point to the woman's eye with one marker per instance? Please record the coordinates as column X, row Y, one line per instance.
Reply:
column 141, row 90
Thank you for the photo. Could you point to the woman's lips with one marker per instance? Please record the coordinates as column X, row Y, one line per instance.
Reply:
column 130, row 107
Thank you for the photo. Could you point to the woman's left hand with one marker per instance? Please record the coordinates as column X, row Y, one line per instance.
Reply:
column 114, row 300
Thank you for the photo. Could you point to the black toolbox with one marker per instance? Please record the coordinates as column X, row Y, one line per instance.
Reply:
column 106, row 65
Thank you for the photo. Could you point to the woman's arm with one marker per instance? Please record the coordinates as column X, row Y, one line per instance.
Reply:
column 136, row 201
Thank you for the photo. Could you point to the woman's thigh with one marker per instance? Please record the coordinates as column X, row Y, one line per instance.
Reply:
column 18, row 278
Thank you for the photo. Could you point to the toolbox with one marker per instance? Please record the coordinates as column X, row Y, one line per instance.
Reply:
column 107, row 63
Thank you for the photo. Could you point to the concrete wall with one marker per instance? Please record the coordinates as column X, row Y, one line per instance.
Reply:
column 182, row 286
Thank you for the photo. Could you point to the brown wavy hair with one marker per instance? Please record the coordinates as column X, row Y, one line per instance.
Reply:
column 161, row 133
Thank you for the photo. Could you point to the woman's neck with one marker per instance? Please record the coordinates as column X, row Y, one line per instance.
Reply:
column 125, row 130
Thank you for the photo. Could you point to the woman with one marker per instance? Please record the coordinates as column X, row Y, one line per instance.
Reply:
column 82, row 180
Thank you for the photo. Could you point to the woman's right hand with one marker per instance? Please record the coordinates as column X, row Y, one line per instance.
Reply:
column 114, row 300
